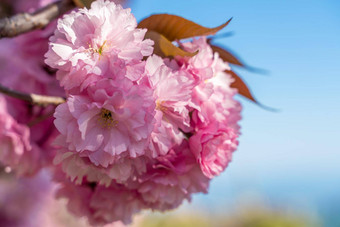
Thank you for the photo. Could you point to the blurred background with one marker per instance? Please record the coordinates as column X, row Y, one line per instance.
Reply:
column 286, row 170
column 287, row 167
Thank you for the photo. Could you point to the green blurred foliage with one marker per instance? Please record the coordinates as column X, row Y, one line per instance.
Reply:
column 245, row 217
column 170, row 220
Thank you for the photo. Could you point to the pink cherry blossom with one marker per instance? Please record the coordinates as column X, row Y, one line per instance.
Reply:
column 100, row 204
column 164, row 137
column 108, row 123
column 205, row 64
column 98, row 40
column 214, row 113
column 213, row 149
column 80, row 169
column 105, row 200
column 133, row 134
column 167, row 181
column 171, row 179
column 172, row 91
column 213, row 103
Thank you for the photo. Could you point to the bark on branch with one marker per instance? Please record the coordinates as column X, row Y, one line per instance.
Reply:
column 25, row 22
column 41, row 100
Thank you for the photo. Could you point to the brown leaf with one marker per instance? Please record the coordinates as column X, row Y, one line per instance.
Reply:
column 226, row 55
column 176, row 28
column 164, row 48
column 241, row 86
column 83, row 3
column 243, row 90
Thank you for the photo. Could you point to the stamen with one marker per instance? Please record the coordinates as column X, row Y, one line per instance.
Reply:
column 106, row 119
column 159, row 106
column 99, row 50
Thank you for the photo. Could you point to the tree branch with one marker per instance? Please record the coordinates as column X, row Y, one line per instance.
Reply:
column 41, row 100
column 25, row 22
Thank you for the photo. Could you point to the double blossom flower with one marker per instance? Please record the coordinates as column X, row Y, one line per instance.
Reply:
column 137, row 131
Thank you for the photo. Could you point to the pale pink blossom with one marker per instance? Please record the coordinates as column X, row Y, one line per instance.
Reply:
column 171, row 179
column 100, row 204
column 80, row 169
column 212, row 100
column 108, row 123
column 213, row 103
column 167, row 181
column 172, row 92
column 213, row 149
column 134, row 134
column 164, row 137
column 214, row 111
column 96, row 41
column 115, row 203
column 79, row 196
column 205, row 64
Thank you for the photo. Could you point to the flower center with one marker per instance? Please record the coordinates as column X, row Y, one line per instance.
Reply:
column 100, row 50
column 159, row 106
column 106, row 119
column 97, row 50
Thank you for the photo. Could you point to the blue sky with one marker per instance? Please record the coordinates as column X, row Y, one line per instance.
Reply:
column 294, row 154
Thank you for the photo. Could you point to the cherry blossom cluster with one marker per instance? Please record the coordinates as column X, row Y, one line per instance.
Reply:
column 137, row 131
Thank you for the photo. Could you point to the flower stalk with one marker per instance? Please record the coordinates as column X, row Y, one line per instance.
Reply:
column 35, row 99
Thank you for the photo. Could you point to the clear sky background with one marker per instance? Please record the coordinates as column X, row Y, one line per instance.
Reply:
column 291, row 156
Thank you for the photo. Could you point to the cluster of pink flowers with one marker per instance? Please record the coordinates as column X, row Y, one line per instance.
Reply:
column 136, row 132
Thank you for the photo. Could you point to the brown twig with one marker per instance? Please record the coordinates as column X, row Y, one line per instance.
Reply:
column 25, row 22
column 41, row 100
